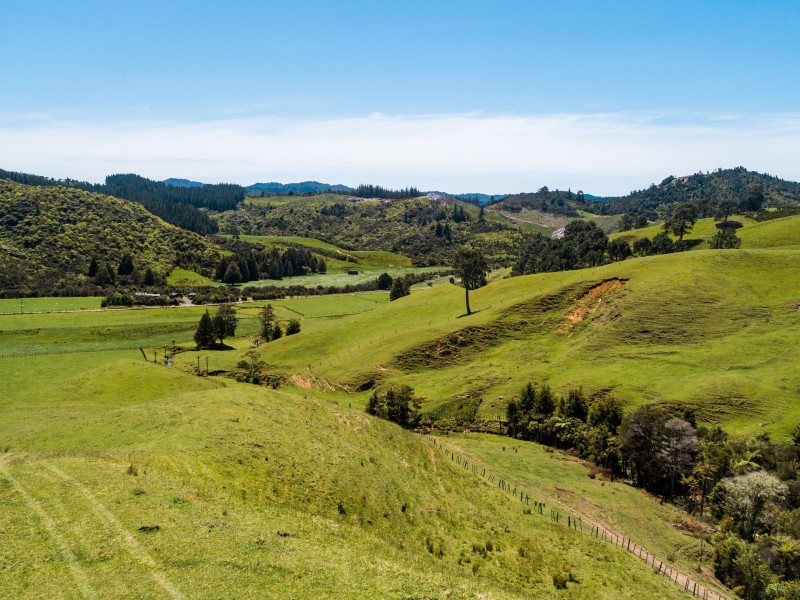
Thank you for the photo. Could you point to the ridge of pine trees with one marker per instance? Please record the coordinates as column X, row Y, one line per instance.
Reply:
column 376, row 191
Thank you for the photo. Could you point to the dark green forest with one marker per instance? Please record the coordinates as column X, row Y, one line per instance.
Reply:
column 706, row 191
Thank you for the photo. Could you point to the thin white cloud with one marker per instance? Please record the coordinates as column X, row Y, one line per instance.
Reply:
column 599, row 153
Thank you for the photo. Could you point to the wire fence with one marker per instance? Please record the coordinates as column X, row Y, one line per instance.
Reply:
column 598, row 532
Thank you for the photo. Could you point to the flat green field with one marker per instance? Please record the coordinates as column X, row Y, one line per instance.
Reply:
column 39, row 305
column 341, row 277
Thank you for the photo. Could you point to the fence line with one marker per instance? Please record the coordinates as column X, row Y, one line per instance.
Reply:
column 48, row 351
column 598, row 532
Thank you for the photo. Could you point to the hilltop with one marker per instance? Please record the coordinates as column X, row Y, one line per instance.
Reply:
column 182, row 182
column 303, row 187
column 49, row 236
column 706, row 190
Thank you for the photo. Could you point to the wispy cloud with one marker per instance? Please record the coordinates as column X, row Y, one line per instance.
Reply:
column 599, row 153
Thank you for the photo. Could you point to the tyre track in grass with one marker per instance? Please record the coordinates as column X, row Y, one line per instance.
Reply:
column 77, row 572
column 134, row 548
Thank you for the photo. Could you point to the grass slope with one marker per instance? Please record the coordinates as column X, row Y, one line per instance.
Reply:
column 680, row 331
column 51, row 234
column 297, row 493
column 767, row 234
column 134, row 480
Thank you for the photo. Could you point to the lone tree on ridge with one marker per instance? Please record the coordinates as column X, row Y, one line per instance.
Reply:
column 470, row 265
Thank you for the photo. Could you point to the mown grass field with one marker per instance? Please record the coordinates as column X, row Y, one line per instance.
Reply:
column 39, row 305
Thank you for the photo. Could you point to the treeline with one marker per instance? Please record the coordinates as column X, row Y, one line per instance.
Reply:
column 376, row 191
column 177, row 205
column 129, row 298
column 583, row 245
column 217, row 197
column 251, row 263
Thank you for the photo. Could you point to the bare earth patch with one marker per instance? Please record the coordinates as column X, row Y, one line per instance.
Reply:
column 589, row 303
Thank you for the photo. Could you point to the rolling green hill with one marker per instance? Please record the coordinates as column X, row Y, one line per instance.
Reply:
column 427, row 231
column 126, row 475
column 125, row 478
column 50, row 234
column 130, row 478
column 679, row 330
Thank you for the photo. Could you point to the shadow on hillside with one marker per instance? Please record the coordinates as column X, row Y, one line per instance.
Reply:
column 474, row 312
column 223, row 347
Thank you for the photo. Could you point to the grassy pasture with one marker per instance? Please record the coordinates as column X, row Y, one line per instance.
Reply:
column 297, row 493
column 341, row 278
column 40, row 305
column 180, row 276
column 248, row 491
column 562, row 481
column 288, row 239
column 537, row 221
column 767, row 234
column 680, row 331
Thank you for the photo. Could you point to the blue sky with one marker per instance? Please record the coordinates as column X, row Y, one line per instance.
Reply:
column 604, row 96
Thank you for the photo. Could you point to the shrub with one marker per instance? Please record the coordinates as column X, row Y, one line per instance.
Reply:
column 560, row 581
column 293, row 327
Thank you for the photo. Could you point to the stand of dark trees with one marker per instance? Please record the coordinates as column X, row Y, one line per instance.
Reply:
column 130, row 298
column 376, row 191
column 251, row 263
column 396, row 405
column 584, row 245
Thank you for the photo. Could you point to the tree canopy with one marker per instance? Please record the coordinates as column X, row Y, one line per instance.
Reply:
column 470, row 266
